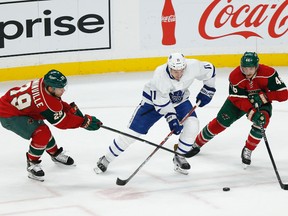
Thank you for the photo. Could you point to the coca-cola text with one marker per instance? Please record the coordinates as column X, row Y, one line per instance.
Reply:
column 253, row 17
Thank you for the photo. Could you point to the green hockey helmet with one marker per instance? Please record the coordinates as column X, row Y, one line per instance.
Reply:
column 55, row 79
column 250, row 59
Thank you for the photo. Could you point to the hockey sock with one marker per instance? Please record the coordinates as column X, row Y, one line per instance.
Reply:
column 40, row 138
column 51, row 147
column 254, row 138
column 208, row 132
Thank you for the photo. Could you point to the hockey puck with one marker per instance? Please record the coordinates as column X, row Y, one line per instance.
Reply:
column 226, row 189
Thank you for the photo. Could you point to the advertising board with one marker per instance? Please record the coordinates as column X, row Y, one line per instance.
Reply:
column 49, row 26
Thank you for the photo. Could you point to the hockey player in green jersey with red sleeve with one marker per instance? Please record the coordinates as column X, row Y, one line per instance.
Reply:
column 252, row 88
column 23, row 109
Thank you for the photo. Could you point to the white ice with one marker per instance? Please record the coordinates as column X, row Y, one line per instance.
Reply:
column 156, row 189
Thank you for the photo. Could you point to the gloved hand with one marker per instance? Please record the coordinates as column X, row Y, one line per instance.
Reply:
column 205, row 95
column 257, row 117
column 91, row 123
column 258, row 99
column 173, row 122
column 75, row 110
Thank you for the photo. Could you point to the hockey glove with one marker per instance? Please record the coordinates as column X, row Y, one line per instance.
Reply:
column 257, row 117
column 205, row 95
column 91, row 123
column 258, row 99
column 75, row 110
column 174, row 124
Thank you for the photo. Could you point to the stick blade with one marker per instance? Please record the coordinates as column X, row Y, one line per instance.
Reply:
column 192, row 152
column 121, row 182
column 284, row 186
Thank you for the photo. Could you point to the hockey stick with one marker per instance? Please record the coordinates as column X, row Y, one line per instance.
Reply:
column 282, row 185
column 142, row 140
column 123, row 182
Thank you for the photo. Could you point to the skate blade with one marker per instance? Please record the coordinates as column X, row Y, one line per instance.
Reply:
column 36, row 178
column 245, row 166
column 182, row 171
column 97, row 170
column 63, row 165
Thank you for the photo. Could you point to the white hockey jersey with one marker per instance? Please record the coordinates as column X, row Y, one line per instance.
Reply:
column 165, row 93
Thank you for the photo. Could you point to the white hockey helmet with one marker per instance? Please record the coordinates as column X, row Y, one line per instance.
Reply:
column 176, row 61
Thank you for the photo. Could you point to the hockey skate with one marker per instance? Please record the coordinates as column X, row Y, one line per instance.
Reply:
column 181, row 165
column 102, row 165
column 246, row 157
column 35, row 171
column 61, row 158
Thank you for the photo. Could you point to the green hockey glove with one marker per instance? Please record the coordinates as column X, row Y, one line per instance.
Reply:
column 258, row 99
column 257, row 117
column 91, row 123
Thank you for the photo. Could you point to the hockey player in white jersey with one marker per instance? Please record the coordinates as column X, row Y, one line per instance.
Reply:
column 167, row 95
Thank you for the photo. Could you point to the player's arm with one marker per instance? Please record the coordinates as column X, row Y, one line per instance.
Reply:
column 276, row 91
column 62, row 119
column 72, row 108
column 208, row 76
column 159, row 91
column 163, row 105
column 69, row 116
column 238, row 96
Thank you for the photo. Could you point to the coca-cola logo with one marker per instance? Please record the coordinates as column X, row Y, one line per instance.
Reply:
column 244, row 16
column 171, row 18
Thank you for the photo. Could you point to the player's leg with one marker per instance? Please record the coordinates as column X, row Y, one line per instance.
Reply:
column 142, row 120
column 25, row 127
column 58, row 155
column 226, row 116
column 255, row 136
column 41, row 138
column 186, row 138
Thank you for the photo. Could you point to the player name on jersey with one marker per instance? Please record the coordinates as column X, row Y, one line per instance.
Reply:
column 36, row 94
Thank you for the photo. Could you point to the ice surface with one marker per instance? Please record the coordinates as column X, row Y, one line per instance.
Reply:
column 156, row 189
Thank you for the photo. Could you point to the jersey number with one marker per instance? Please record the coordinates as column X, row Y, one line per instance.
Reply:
column 58, row 115
column 278, row 81
column 23, row 101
